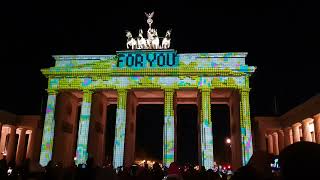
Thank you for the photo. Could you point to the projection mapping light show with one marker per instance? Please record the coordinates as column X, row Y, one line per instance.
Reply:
column 150, row 69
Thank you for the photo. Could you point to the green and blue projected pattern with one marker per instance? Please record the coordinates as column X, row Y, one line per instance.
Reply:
column 83, row 133
column 149, row 69
column 48, row 131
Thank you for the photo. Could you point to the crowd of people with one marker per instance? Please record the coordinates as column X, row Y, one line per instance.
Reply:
column 297, row 161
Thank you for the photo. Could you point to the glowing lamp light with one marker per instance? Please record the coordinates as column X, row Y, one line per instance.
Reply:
column 229, row 167
column 228, row 141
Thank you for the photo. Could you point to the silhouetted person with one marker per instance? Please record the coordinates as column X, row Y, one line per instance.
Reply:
column 245, row 173
column 300, row 161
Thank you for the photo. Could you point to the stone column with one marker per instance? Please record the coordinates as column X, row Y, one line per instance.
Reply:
column 31, row 144
column 306, row 130
column 20, row 155
column 245, row 126
column 296, row 132
column 270, row 144
column 168, row 128
column 207, row 158
column 83, row 132
column 4, row 132
column 288, row 139
column 48, row 130
column 120, row 130
column 275, row 143
column 316, row 123
column 280, row 139
column 11, row 151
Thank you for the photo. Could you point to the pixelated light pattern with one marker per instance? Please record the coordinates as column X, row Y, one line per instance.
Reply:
column 152, row 69
column 206, row 130
column 168, row 128
column 120, row 130
column 83, row 132
column 245, row 126
column 48, row 131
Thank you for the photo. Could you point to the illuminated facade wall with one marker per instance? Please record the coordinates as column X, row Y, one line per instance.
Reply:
column 83, row 132
column 48, row 130
column 152, row 69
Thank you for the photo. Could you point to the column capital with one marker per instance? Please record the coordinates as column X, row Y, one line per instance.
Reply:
column 205, row 89
column 88, row 91
column 296, row 124
column 307, row 121
column 244, row 90
column 52, row 91
column 317, row 116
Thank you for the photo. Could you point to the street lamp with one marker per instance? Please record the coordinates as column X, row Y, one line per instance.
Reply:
column 228, row 141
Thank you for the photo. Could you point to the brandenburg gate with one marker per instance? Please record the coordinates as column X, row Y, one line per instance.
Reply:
column 142, row 76
column 97, row 79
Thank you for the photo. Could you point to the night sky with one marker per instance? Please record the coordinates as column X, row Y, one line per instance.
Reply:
column 281, row 38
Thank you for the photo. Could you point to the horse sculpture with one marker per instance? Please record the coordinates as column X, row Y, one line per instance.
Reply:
column 142, row 43
column 155, row 43
column 131, row 42
column 166, row 41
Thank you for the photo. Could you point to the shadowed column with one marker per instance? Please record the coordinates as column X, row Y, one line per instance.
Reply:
column 316, row 123
column 270, row 144
column 296, row 132
column 288, row 139
column 20, row 155
column 275, row 143
column 306, row 129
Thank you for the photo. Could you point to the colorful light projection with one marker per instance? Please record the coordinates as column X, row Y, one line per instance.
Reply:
column 206, row 130
column 245, row 127
column 150, row 69
column 48, row 130
column 120, row 130
column 83, row 132
column 168, row 129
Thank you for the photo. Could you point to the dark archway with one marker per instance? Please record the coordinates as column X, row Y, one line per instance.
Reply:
column 110, row 131
column 220, row 115
column 187, row 135
column 149, row 132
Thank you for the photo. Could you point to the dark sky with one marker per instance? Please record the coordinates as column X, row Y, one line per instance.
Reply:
column 281, row 37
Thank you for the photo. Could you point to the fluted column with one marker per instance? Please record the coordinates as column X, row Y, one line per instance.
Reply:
column 288, row 139
column 270, row 143
column 316, row 123
column 206, row 130
column 83, row 131
column 275, row 143
column 169, row 128
column 20, row 155
column 120, row 130
column 296, row 132
column 280, row 139
column 306, row 130
column 245, row 126
column 11, row 145
column 48, row 130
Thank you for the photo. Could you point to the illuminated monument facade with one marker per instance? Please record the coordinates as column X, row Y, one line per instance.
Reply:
column 142, row 76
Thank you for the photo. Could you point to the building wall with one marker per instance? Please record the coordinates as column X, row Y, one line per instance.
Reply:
column 278, row 126
column 31, row 124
